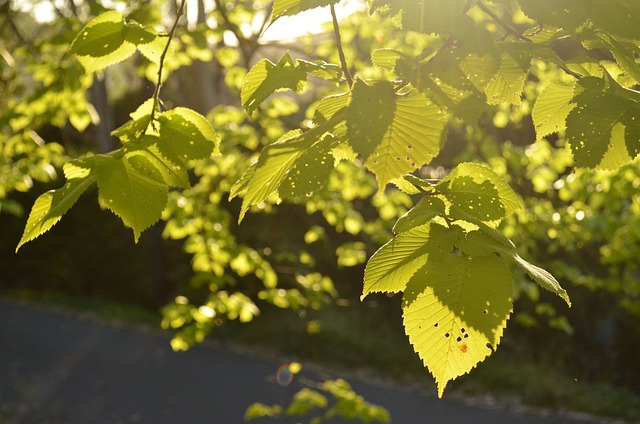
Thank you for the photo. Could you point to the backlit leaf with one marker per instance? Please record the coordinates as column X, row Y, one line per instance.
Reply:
column 391, row 267
column 476, row 191
column 424, row 211
column 543, row 278
column 552, row 107
column 103, row 42
column 265, row 78
column 186, row 135
column 50, row 206
column 275, row 162
column 412, row 138
column 132, row 188
column 455, row 310
column 593, row 129
column 310, row 172
column 293, row 7
column 507, row 85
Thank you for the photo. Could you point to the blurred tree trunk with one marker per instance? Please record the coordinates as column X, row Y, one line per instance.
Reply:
column 202, row 83
column 100, row 101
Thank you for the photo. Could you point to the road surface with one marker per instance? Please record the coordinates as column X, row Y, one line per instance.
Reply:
column 61, row 368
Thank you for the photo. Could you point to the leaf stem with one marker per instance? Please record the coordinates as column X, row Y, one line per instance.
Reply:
column 343, row 61
column 172, row 32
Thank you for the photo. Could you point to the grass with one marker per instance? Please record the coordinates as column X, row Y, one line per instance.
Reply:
column 369, row 340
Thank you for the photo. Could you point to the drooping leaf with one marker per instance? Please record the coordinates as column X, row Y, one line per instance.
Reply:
column 455, row 310
column 543, row 278
column 50, row 206
column 293, row 7
column 132, row 188
column 173, row 174
column 476, row 191
column 186, row 135
column 551, row 108
column 486, row 240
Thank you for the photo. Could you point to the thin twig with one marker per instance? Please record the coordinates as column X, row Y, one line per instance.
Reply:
column 501, row 23
column 156, row 92
column 521, row 37
column 343, row 61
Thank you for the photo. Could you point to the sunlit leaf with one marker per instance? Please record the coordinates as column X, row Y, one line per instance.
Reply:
column 455, row 310
column 507, row 85
column 552, row 107
column 103, row 42
column 593, row 130
column 50, row 206
column 186, row 135
column 293, row 7
column 391, row 267
column 476, row 191
column 265, row 78
column 543, row 278
column 132, row 188
column 423, row 212
column 310, row 172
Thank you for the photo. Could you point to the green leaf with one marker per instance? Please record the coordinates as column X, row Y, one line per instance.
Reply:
column 103, row 42
column 140, row 121
column 293, row 7
column 552, row 107
column 369, row 115
column 132, row 188
column 186, row 135
column 394, row 133
column 173, row 174
column 50, row 206
column 598, row 126
column 543, row 278
column 476, row 191
column 507, row 85
column 455, row 310
column 329, row 106
column 488, row 240
column 392, row 266
column 423, row 212
column 310, row 172
column 387, row 58
column 265, row 78
column 137, row 34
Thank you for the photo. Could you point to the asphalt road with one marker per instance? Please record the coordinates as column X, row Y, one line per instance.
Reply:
column 61, row 368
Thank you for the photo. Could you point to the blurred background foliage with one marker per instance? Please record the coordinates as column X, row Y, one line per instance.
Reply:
column 301, row 259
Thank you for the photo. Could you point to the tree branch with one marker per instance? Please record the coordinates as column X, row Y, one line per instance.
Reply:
column 519, row 36
column 172, row 32
column 343, row 61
